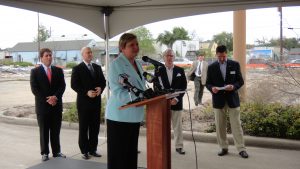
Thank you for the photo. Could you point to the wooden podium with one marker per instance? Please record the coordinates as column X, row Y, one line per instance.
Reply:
column 158, row 118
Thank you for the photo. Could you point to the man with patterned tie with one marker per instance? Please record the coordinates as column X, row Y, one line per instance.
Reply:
column 48, row 85
column 200, row 69
column 88, row 81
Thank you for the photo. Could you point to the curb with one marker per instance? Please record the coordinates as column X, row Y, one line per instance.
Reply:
column 252, row 141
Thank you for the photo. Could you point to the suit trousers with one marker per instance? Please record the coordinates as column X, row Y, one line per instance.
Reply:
column 235, row 122
column 198, row 90
column 122, row 144
column 49, row 124
column 89, row 126
column 177, row 127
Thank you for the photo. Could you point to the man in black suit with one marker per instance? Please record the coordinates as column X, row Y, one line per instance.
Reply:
column 48, row 85
column 173, row 77
column 224, row 78
column 88, row 82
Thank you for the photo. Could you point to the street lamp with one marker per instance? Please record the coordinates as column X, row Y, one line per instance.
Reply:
column 292, row 28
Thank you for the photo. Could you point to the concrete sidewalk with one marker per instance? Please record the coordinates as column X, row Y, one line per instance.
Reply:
column 199, row 137
column 19, row 145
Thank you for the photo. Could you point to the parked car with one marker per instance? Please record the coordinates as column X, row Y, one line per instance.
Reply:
column 295, row 61
column 181, row 62
column 293, row 64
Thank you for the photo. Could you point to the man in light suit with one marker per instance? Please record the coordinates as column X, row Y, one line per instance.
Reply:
column 200, row 69
column 224, row 79
column 173, row 77
column 88, row 82
column 48, row 85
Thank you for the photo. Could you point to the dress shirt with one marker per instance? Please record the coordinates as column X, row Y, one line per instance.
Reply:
column 223, row 68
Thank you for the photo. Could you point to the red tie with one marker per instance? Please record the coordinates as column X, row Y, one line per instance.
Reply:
column 49, row 74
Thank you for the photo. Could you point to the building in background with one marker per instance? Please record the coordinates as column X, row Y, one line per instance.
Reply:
column 265, row 54
column 294, row 54
column 63, row 51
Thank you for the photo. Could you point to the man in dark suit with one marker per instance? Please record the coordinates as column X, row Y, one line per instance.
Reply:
column 173, row 77
column 88, row 82
column 48, row 85
column 224, row 78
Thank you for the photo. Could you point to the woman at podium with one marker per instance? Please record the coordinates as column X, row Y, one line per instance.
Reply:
column 123, row 125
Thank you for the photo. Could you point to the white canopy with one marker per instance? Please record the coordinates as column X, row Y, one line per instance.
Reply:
column 128, row 14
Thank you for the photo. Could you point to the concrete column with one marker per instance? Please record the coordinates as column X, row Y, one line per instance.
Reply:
column 239, row 45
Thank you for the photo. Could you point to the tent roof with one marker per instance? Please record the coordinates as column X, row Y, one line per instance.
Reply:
column 128, row 14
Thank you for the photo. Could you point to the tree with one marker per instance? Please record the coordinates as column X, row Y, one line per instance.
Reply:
column 168, row 38
column 145, row 40
column 287, row 43
column 44, row 34
column 224, row 38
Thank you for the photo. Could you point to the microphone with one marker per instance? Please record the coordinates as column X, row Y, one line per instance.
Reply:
column 123, row 80
column 152, row 61
column 149, row 77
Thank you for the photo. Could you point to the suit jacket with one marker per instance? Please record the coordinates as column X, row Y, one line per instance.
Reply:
column 178, row 82
column 215, row 79
column 119, row 95
column 204, row 67
column 41, row 88
column 82, row 81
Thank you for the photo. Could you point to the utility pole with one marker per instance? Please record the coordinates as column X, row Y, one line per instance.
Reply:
column 38, row 37
column 281, row 50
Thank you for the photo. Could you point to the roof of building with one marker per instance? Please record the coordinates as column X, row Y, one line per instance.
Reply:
column 295, row 51
column 54, row 45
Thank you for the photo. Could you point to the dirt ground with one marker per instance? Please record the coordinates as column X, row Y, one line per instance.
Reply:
column 17, row 100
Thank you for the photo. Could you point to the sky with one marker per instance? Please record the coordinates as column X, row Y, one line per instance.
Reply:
column 18, row 25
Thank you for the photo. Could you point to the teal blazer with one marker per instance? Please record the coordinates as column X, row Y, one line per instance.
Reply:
column 119, row 96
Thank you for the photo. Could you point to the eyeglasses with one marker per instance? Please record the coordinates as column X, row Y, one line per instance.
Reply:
column 170, row 55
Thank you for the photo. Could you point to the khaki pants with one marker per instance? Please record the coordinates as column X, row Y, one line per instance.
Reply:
column 235, row 122
column 177, row 128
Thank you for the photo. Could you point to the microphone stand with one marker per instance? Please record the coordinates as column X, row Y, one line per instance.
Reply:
column 156, row 85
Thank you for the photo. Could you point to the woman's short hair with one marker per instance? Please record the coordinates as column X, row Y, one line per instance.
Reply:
column 43, row 50
column 125, row 38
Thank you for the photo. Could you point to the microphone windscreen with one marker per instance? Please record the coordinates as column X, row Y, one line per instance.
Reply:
column 145, row 58
column 145, row 74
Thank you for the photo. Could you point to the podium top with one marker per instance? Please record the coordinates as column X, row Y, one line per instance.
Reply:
column 147, row 101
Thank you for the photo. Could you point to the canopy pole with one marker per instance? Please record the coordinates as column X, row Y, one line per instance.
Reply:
column 106, row 12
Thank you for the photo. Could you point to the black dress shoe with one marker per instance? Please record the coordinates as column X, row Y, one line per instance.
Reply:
column 59, row 155
column 85, row 156
column 95, row 154
column 180, row 151
column 223, row 152
column 244, row 154
column 45, row 157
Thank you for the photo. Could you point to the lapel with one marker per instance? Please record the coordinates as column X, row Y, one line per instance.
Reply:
column 175, row 72
column 219, row 73
column 195, row 64
column 86, row 69
column 164, row 77
column 132, row 72
column 228, row 69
